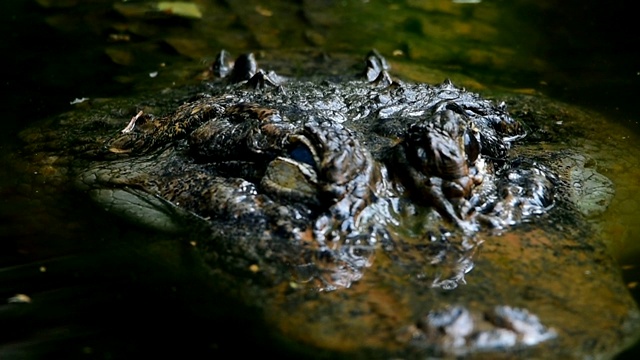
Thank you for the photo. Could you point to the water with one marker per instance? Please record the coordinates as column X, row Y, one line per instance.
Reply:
column 61, row 50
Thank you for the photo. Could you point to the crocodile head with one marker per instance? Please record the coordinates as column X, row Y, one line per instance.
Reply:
column 315, row 176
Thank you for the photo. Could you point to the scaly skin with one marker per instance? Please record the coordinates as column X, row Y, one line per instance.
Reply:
column 321, row 166
column 377, row 189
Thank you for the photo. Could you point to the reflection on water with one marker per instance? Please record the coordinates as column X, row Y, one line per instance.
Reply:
column 112, row 47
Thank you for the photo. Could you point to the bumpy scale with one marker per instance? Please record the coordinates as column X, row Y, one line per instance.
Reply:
column 320, row 172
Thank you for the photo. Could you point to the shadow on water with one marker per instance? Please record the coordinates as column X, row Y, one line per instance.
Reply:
column 105, row 289
column 98, row 286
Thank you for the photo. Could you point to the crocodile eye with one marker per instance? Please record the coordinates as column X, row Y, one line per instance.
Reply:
column 471, row 147
column 301, row 153
column 301, row 150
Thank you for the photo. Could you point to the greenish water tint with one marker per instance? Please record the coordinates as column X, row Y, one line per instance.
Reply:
column 67, row 49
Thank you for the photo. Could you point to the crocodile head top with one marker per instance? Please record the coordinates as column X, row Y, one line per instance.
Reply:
column 315, row 176
column 287, row 188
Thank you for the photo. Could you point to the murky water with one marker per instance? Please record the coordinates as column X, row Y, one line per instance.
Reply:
column 106, row 48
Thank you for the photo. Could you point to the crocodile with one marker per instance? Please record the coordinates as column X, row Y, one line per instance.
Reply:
column 323, row 192
column 318, row 172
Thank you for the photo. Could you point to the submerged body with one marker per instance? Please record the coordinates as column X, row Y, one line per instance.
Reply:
column 363, row 201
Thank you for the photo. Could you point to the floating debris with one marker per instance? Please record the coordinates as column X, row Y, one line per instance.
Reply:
column 180, row 8
column 132, row 123
column 264, row 11
column 78, row 101
column 165, row 8
column 19, row 299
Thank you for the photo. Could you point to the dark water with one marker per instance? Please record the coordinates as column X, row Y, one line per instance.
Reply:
column 582, row 52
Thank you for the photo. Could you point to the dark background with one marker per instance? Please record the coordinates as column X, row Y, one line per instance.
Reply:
column 590, row 47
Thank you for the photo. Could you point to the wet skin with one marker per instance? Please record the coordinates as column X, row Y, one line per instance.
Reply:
column 326, row 168
column 362, row 201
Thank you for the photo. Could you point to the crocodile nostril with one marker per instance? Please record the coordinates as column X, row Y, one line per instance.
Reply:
column 243, row 68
